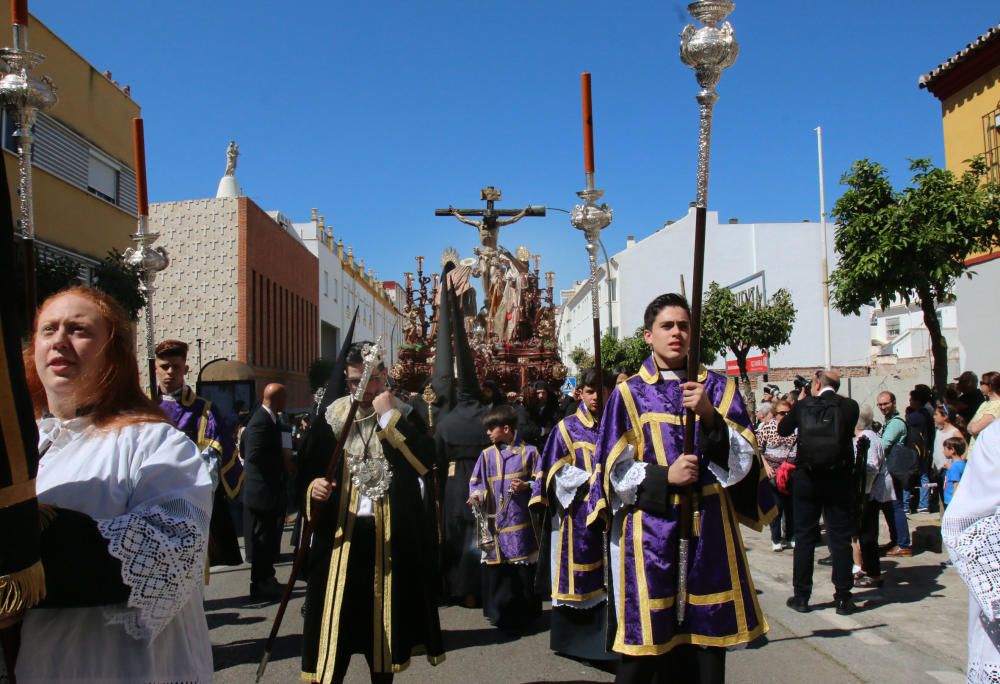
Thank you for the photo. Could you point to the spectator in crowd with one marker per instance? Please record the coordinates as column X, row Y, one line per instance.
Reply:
column 894, row 433
column 771, row 394
column 954, row 451
column 822, row 485
column 543, row 414
column 263, row 446
column 622, row 374
column 969, row 396
column 944, row 429
column 492, row 394
column 878, row 491
column 776, row 451
column 920, row 415
column 763, row 413
column 989, row 409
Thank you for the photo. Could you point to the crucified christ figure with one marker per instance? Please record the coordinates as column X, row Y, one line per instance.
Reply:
column 489, row 227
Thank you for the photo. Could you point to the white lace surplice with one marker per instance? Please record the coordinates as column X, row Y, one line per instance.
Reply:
column 971, row 531
column 151, row 494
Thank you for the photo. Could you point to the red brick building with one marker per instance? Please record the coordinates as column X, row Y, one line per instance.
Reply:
column 241, row 286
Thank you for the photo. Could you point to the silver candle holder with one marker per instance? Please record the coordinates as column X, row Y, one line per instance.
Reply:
column 149, row 261
column 24, row 96
column 591, row 219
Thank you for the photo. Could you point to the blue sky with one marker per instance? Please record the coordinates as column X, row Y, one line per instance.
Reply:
column 378, row 112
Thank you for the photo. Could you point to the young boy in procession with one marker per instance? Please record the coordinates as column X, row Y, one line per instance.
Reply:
column 644, row 475
column 501, row 486
column 574, row 552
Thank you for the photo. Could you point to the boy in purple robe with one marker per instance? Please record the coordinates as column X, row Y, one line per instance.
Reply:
column 574, row 552
column 501, row 485
column 643, row 471
column 197, row 418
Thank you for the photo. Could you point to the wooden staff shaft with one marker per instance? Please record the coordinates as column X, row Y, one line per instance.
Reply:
column 300, row 552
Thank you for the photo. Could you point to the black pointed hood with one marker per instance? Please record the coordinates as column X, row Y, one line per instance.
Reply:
column 336, row 386
column 319, row 441
column 443, row 378
column 462, row 430
column 467, row 382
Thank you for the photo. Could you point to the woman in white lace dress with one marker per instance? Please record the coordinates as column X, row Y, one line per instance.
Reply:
column 971, row 531
column 130, row 500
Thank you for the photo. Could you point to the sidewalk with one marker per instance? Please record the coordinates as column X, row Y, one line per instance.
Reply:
column 910, row 630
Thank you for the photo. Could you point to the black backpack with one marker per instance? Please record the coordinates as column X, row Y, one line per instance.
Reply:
column 821, row 435
column 906, row 458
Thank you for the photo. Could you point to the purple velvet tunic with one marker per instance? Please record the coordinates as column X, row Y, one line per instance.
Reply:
column 646, row 412
column 495, row 469
column 196, row 418
column 578, row 575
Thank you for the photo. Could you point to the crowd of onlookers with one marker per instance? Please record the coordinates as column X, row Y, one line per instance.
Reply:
column 941, row 430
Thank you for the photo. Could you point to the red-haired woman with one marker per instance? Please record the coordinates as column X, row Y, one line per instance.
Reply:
column 124, row 553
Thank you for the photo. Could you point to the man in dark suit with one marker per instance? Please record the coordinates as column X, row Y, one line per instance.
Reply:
column 822, row 484
column 263, row 446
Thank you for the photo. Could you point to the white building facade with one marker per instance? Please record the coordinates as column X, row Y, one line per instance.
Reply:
column 761, row 256
column 899, row 330
column 345, row 285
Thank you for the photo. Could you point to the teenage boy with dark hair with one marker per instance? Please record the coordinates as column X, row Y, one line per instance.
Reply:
column 197, row 418
column 574, row 553
column 644, row 475
column 500, row 486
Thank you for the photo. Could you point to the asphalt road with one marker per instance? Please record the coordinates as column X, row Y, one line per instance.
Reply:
column 912, row 630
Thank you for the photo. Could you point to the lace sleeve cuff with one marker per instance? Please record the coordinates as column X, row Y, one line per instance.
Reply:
column 568, row 481
column 740, row 460
column 162, row 552
column 977, row 560
column 626, row 476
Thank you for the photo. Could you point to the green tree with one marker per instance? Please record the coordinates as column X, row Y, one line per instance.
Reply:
column 734, row 324
column 54, row 274
column 122, row 281
column 911, row 245
column 113, row 275
column 628, row 353
column 582, row 359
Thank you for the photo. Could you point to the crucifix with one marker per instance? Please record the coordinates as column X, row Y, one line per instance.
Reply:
column 489, row 227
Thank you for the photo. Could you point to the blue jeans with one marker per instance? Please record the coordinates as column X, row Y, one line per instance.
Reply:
column 899, row 508
column 925, row 492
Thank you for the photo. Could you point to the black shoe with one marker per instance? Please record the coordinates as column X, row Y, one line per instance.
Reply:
column 826, row 561
column 266, row 589
column 798, row 604
column 846, row 606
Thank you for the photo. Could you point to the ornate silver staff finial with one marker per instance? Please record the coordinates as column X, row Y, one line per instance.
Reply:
column 24, row 96
column 708, row 50
column 371, row 352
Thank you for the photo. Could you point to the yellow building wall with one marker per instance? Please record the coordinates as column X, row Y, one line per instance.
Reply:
column 92, row 106
column 962, row 119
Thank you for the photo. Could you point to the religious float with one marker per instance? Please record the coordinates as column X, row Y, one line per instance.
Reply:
column 513, row 333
